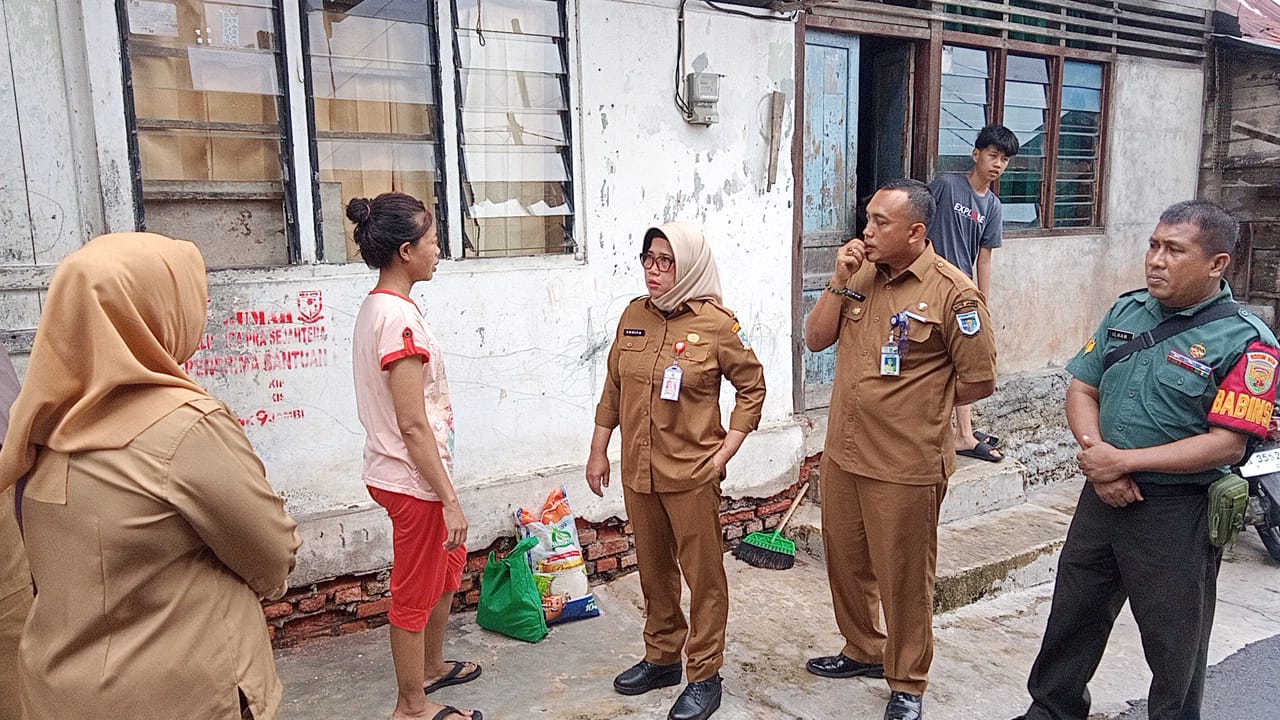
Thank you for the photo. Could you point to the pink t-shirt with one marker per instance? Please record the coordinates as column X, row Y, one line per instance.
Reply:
column 388, row 328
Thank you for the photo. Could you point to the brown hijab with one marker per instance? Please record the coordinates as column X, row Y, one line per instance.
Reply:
column 696, row 274
column 122, row 315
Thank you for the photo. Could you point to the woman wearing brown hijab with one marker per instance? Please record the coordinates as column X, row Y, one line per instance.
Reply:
column 150, row 528
column 671, row 350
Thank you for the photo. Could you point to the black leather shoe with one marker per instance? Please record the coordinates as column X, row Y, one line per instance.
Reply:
column 843, row 666
column 645, row 676
column 904, row 706
column 698, row 701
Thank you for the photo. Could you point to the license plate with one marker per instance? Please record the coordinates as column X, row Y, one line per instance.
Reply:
column 1262, row 462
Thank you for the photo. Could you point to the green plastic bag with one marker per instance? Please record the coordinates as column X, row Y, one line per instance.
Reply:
column 509, row 600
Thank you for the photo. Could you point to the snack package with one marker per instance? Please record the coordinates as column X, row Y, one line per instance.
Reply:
column 559, row 568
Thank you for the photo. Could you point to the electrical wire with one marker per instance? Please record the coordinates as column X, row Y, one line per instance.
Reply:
column 681, row 104
column 775, row 16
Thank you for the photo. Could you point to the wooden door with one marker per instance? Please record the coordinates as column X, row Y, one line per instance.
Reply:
column 829, row 182
column 891, row 69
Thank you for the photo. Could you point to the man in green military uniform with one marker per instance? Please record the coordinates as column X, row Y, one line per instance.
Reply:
column 1158, row 420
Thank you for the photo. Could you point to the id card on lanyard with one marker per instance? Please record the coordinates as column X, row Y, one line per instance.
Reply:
column 672, row 378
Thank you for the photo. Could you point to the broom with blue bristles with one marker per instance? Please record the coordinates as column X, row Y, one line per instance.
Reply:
column 769, row 549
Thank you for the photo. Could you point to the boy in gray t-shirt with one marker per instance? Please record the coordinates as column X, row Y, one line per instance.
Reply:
column 965, row 229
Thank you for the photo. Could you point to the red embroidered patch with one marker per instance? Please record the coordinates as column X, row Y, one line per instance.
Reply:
column 1247, row 396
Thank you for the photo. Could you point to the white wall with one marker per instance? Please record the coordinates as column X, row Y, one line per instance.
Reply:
column 526, row 339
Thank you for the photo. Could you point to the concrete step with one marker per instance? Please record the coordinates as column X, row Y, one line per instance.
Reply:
column 978, row 486
column 984, row 554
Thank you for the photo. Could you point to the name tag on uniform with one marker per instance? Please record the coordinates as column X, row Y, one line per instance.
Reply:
column 889, row 360
column 1118, row 334
column 633, row 332
column 671, row 380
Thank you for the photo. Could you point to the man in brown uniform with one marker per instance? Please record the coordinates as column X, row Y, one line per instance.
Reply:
column 663, row 387
column 915, row 340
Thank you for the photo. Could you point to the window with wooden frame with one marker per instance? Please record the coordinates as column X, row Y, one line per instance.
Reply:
column 221, row 158
column 205, row 115
column 1054, row 104
column 512, row 69
column 375, row 92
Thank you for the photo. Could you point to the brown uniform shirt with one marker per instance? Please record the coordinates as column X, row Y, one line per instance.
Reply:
column 150, row 560
column 898, row 429
column 667, row 445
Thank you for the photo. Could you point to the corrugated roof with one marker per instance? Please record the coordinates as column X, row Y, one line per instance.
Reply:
column 1259, row 19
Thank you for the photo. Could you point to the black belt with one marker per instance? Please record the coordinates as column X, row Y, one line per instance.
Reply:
column 1160, row 490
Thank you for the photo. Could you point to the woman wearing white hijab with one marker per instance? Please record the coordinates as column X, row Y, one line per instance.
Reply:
column 663, row 388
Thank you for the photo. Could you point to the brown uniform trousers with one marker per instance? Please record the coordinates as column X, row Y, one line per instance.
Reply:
column 889, row 453
column 881, row 546
column 681, row 531
column 670, row 485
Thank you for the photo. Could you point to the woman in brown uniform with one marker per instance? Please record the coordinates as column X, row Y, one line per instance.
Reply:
column 663, row 387
column 150, row 528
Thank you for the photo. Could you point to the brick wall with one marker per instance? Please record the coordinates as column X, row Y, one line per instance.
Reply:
column 358, row 602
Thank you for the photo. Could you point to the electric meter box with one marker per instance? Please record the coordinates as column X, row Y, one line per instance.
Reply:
column 703, row 97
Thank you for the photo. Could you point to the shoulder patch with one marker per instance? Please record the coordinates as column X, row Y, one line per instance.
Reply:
column 964, row 304
column 1260, row 373
column 969, row 322
column 1246, row 397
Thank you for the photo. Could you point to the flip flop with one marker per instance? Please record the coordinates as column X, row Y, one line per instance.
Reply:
column 453, row 677
column 451, row 710
column 981, row 451
column 991, row 440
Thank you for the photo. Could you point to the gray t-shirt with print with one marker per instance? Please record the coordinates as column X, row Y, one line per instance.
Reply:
column 964, row 222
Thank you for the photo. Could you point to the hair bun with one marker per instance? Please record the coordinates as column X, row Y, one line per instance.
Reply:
column 359, row 210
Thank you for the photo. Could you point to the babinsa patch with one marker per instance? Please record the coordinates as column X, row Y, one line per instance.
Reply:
column 1260, row 372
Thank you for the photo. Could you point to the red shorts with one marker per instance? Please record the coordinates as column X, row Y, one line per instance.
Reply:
column 421, row 570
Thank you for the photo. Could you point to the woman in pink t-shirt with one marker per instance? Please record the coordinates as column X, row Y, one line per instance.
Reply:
column 402, row 398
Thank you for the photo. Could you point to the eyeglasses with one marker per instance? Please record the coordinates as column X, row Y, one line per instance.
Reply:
column 664, row 263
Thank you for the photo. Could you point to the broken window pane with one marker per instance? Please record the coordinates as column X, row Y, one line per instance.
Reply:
column 206, row 102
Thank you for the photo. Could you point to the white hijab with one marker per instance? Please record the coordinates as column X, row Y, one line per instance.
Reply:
column 696, row 274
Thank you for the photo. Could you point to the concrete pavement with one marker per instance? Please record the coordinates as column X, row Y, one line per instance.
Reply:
column 777, row 620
